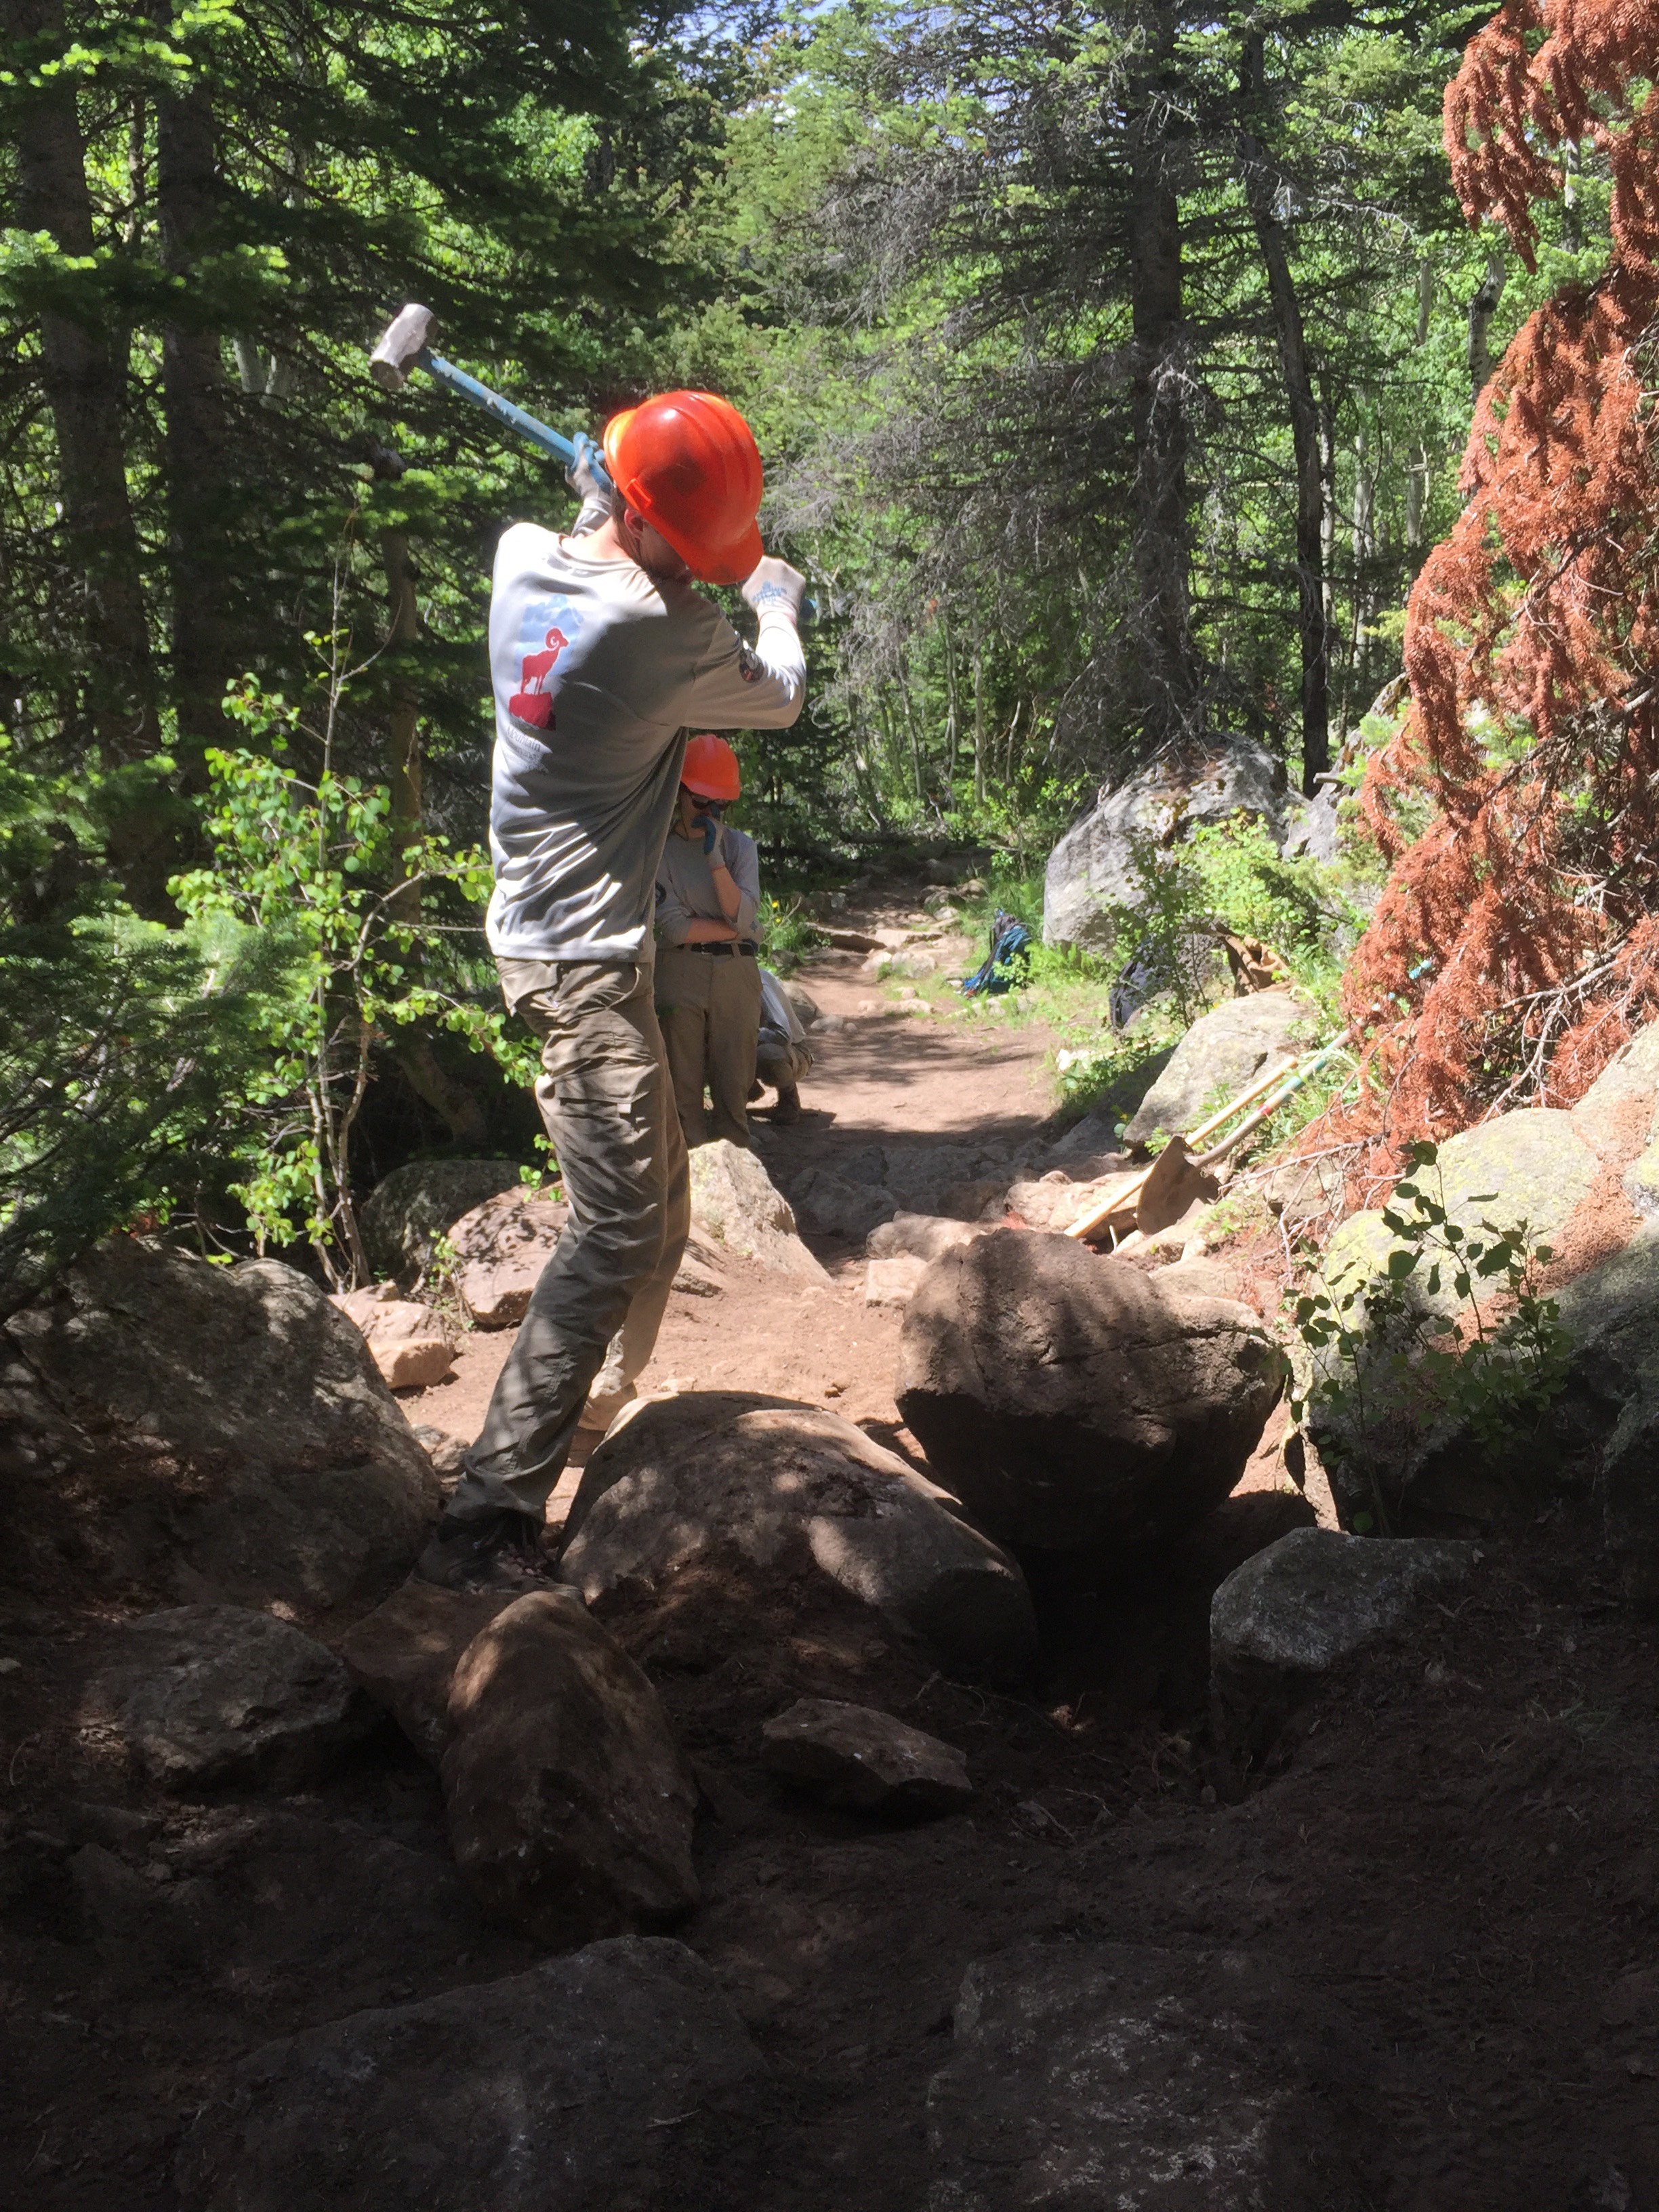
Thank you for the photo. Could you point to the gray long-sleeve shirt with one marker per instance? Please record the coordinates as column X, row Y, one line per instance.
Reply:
column 597, row 669
column 685, row 884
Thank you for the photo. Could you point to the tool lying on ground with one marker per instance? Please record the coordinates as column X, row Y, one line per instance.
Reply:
column 1118, row 1205
column 404, row 346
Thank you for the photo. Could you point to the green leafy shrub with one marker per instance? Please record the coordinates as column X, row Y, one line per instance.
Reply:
column 317, row 869
column 1393, row 1377
column 126, row 1049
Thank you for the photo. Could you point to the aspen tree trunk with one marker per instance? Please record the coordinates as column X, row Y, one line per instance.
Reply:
column 1261, row 183
column 1417, row 477
column 85, row 374
column 1483, row 306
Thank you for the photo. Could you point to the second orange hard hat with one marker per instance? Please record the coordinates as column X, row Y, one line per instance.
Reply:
column 711, row 768
column 687, row 462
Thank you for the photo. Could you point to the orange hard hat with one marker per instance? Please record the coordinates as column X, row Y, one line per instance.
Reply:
column 711, row 768
column 687, row 462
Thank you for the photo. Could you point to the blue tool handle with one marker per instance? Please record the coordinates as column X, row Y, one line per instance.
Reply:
column 515, row 418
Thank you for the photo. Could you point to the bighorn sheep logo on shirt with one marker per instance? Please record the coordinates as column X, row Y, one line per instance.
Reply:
column 532, row 703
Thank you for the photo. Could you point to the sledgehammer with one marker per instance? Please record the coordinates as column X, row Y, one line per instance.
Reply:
column 404, row 346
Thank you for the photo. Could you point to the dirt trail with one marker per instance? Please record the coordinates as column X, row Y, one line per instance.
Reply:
column 1455, row 1844
column 887, row 1078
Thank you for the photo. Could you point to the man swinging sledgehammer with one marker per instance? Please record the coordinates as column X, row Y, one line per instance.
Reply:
column 601, row 652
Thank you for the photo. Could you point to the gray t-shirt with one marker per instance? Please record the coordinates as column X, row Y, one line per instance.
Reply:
column 685, row 884
column 597, row 669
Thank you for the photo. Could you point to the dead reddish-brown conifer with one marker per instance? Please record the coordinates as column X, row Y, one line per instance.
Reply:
column 1516, row 946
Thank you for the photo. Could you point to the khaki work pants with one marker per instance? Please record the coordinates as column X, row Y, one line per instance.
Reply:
column 608, row 1106
column 711, row 1010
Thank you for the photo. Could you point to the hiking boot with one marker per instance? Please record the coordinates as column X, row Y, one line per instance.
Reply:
column 495, row 1550
column 604, row 1405
column 787, row 1109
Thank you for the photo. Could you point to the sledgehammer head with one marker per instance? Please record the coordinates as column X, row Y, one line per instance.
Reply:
column 405, row 337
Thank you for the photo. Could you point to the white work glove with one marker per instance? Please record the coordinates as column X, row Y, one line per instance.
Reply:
column 584, row 480
column 773, row 587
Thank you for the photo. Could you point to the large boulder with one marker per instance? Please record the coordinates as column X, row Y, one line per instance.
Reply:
column 501, row 1249
column 1087, row 2074
column 407, row 1212
column 1611, row 1316
column 1281, row 1622
column 570, row 1808
column 852, row 1755
column 208, row 1695
column 791, row 1494
column 1221, row 1053
column 405, row 1655
column 569, row 2087
column 1533, row 1166
column 1070, row 1403
column 1396, row 1437
column 412, row 1346
column 189, row 1433
column 1617, row 1113
column 734, row 1200
column 1092, row 869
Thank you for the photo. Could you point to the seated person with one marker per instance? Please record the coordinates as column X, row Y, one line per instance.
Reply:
column 709, row 984
column 783, row 1055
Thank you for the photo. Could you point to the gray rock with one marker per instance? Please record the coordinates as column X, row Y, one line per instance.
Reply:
column 1619, row 1104
column 733, row 1200
column 421, row 1202
column 919, row 1175
column 411, row 1345
column 833, row 1207
column 404, row 1654
column 445, row 1452
column 207, row 1695
column 1310, row 825
column 854, row 1755
column 1070, row 1403
column 1287, row 1616
column 1087, row 2075
column 792, row 1492
column 1220, row 1055
column 187, row 1432
column 1611, row 1314
column 501, row 1249
column 1091, row 869
column 919, row 1237
column 570, row 1808
column 572, row 2087
column 892, row 1282
column 1532, row 1166
column 805, row 1005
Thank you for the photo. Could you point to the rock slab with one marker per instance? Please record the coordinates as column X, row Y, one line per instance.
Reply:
column 1091, row 870
column 1088, row 2076
column 404, row 1654
column 570, row 1808
column 1221, row 1053
column 409, row 1209
column 1287, row 1616
column 410, row 1344
column 792, row 1492
column 854, row 1755
column 570, row 2088
column 1073, row 1405
column 501, row 1249
column 211, row 1695
column 195, row 1433
column 735, row 1201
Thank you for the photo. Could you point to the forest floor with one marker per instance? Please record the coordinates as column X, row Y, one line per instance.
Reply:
column 1457, row 1844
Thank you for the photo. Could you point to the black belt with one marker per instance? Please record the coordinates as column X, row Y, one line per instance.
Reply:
column 725, row 950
